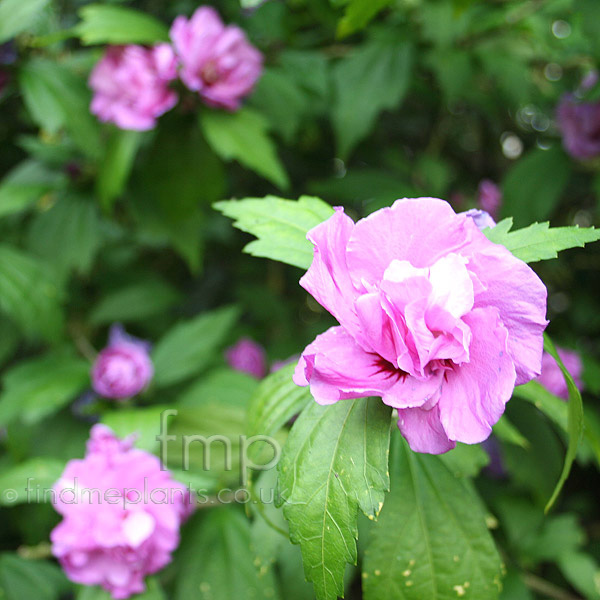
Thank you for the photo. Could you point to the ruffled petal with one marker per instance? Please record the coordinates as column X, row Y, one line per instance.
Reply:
column 420, row 230
column 328, row 279
column 520, row 296
column 423, row 430
column 475, row 393
column 337, row 368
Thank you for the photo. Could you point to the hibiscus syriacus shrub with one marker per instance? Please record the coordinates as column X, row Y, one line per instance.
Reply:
column 395, row 396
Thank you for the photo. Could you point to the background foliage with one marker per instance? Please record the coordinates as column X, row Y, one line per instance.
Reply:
column 361, row 102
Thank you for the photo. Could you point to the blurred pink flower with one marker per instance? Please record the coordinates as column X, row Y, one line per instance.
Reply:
column 248, row 357
column 579, row 123
column 121, row 515
column 217, row 61
column 123, row 368
column 552, row 378
column 490, row 197
column 131, row 85
column 434, row 318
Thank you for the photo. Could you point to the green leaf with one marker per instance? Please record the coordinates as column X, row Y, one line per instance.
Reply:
column 67, row 235
column 373, row 78
column 18, row 15
column 243, row 136
column 145, row 423
column 540, row 241
column 21, row 578
column 191, row 345
column 333, row 463
column 507, row 432
column 575, row 419
column 215, row 560
column 39, row 387
column 431, row 540
column 358, row 15
column 102, row 24
column 57, row 97
column 178, row 176
column 26, row 184
column 224, row 386
column 533, row 186
column 466, row 460
column 275, row 402
column 582, row 572
column 36, row 473
column 135, row 302
column 280, row 225
column 29, row 294
column 116, row 165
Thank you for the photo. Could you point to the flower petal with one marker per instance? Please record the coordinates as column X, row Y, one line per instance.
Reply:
column 328, row 279
column 337, row 368
column 420, row 230
column 423, row 430
column 520, row 296
column 474, row 394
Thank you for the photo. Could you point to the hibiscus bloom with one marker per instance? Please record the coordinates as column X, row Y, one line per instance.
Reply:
column 434, row 318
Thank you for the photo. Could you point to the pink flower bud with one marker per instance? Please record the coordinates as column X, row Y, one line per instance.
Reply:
column 121, row 515
column 217, row 61
column 490, row 197
column 248, row 357
column 130, row 85
column 123, row 368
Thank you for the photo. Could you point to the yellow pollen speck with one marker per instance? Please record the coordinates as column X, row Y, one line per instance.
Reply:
column 411, row 562
column 459, row 589
column 491, row 522
column 456, row 558
column 409, row 583
column 370, row 517
column 466, row 584
column 406, row 573
column 365, row 575
column 377, row 572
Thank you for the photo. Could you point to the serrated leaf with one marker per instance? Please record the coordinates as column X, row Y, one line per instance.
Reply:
column 38, row 473
column 18, row 15
column 243, row 136
column 374, row 77
column 275, row 402
column 41, row 386
column 280, row 225
column 29, row 294
column 334, row 462
column 431, row 540
column 215, row 560
column 102, row 24
column 540, row 241
column 191, row 345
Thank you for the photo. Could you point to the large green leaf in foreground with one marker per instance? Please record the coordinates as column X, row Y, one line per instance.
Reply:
column 335, row 461
column 431, row 540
